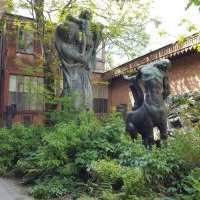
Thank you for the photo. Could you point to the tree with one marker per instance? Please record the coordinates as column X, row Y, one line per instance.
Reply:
column 124, row 21
column 193, row 2
column 124, row 28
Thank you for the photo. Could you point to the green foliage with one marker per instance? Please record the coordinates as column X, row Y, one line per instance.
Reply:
column 194, row 180
column 107, row 170
column 124, row 22
column 181, row 39
column 9, row 5
column 187, row 148
column 193, row 2
column 17, row 143
column 50, row 189
column 133, row 179
column 91, row 159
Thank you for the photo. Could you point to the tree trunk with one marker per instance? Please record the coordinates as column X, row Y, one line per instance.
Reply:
column 46, row 43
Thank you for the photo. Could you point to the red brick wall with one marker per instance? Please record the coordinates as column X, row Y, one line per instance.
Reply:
column 37, row 118
column 18, row 63
column 185, row 74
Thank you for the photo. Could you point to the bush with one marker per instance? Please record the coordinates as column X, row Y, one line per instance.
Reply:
column 186, row 147
column 192, row 185
column 134, row 182
column 18, row 143
column 49, row 189
column 91, row 159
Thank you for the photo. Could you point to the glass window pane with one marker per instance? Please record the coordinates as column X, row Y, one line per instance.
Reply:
column 33, row 101
column 40, row 85
column 20, row 83
column 40, row 102
column 21, row 39
column 29, row 42
column 25, row 40
column 27, row 84
column 34, row 84
column 21, row 101
column 12, row 84
column 27, row 101
column 100, row 91
column 105, row 91
column 100, row 105
column 26, row 92
column 12, row 98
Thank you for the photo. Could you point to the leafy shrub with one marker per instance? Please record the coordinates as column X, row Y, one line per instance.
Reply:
column 134, row 182
column 186, row 147
column 107, row 170
column 86, row 197
column 49, row 189
column 192, row 185
column 17, row 143
column 92, row 159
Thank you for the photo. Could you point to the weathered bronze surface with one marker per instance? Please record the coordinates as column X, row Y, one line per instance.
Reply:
column 76, row 41
column 150, row 88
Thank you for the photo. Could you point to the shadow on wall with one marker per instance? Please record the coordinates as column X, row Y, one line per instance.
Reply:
column 185, row 82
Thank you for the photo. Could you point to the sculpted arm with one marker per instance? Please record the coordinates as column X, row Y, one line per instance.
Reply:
column 129, row 78
column 71, row 54
column 67, row 51
column 137, row 76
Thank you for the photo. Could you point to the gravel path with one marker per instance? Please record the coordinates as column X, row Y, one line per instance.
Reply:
column 10, row 190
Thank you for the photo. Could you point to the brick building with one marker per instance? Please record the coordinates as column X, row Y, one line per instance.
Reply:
column 184, row 75
column 19, row 55
column 21, row 74
column 20, row 51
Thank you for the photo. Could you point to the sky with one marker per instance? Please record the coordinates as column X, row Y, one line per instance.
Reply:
column 170, row 13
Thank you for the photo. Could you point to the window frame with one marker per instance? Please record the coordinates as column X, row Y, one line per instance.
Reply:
column 23, row 92
column 26, row 33
column 100, row 98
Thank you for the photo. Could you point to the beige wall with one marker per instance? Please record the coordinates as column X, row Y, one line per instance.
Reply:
column 118, row 93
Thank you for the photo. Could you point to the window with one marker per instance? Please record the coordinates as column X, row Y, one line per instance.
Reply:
column 100, row 101
column 26, row 92
column 25, row 40
column 100, row 105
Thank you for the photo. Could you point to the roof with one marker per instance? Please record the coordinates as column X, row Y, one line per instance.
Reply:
column 15, row 16
column 168, row 51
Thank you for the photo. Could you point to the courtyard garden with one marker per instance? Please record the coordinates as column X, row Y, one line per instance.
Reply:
column 69, row 118
column 82, row 157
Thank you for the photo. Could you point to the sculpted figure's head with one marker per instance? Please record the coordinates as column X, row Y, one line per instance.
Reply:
column 163, row 64
column 62, row 32
column 85, row 14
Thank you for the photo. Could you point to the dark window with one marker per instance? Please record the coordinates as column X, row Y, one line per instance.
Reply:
column 100, row 105
column 100, row 101
column 26, row 92
column 25, row 40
